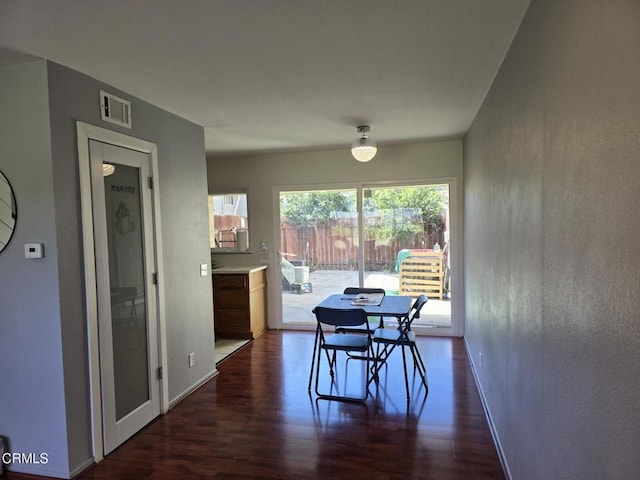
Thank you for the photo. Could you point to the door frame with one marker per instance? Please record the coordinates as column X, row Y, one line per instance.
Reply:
column 457, row 248
column 86, row 132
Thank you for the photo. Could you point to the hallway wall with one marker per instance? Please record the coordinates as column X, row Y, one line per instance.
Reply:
column 552, row 187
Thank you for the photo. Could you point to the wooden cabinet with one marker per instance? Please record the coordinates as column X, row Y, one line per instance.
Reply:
column 239, row 302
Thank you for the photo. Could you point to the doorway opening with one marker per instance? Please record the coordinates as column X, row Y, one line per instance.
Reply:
column 395, row 237
column 121, row 238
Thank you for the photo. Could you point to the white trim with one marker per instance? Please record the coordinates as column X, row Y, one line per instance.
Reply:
column 360, row 212
column 274, row 275
column 162, row 319
column 193, row 388
column 487, row 413
column 456, row 258
column 90, row 288
column 81, row 468
column 85, row 132
column 455, row 208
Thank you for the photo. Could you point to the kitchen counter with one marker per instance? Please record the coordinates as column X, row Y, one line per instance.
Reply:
column 238, row 269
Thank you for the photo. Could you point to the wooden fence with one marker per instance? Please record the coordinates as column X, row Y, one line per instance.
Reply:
column 335, row 247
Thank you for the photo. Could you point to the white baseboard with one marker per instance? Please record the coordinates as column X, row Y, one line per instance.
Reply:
column 31, row 470
column 192, row 389
column 81, row 468
column 487, row 413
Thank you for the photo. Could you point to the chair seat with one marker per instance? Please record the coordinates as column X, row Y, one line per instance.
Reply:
column 346, row 342
column 387, row 335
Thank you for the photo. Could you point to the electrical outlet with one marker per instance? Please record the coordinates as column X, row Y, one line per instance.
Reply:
column 192, row 359
column 480, row 359
column 204, row 269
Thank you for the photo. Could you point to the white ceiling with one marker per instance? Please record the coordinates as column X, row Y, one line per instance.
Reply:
column 263, row 75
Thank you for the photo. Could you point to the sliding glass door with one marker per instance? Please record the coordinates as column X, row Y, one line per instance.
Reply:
column 319, row 241
column 396, row 237
column 406, row 245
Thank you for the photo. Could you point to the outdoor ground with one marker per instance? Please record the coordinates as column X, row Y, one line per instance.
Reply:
column 297, row 307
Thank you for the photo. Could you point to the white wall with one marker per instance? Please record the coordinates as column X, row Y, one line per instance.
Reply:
column 258, row 174
column 44, row 398
column 552, row 191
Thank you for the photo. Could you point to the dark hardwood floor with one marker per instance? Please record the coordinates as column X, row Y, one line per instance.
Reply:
column 256, row 420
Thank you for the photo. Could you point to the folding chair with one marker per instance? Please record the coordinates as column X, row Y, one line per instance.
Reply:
column 357, row 291
column 386, row 340
column 341, row 342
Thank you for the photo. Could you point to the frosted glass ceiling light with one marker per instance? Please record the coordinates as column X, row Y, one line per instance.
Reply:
column 108, row 169
column 364, row 149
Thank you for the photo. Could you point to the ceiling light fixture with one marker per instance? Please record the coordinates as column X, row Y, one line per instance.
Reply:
column 364, row 149
column 108, row 169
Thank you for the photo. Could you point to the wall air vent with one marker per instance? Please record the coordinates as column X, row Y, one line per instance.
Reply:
column 115, row 109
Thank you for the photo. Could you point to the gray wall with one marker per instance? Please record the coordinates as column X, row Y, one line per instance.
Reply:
column 183, row 202
column 43, row 348
column 32, row 392
column 552, row 191
column 259, row 174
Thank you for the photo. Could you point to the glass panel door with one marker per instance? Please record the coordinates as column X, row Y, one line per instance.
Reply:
column 127, row 317
column 319, row 241
column 406, row 245
column 127, row 288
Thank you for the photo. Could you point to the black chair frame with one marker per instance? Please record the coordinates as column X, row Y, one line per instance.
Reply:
column 386, row 340
column 333, row 343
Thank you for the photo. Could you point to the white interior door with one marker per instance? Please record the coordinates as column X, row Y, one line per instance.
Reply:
column 126, row 290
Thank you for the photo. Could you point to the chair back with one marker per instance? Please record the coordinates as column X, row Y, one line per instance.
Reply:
column 348, row 317
column 417, row 306
column 357, row 290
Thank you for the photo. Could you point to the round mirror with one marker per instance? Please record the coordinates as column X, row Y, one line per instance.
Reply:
column 8, row 212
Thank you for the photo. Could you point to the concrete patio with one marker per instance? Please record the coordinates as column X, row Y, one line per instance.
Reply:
column 297, row 307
